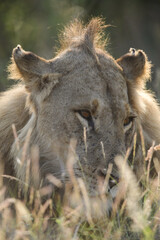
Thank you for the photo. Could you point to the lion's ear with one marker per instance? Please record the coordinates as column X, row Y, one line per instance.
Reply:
column 32, row 69
column 135, row 66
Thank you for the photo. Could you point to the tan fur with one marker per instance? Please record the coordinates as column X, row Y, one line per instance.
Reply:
column 12, row 111
column 76, row 34
column 83, row 76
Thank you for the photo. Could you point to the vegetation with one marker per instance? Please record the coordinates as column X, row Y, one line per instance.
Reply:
column 135, row 211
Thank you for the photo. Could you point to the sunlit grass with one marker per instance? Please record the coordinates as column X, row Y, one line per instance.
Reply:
column 42, row 214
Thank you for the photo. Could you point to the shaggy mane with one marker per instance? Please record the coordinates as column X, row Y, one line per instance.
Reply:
column 90, row 35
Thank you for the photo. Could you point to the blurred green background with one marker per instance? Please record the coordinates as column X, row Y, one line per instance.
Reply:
column 35, row 25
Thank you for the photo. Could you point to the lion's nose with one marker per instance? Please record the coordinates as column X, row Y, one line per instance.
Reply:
column 113, row 176
column 101, row 172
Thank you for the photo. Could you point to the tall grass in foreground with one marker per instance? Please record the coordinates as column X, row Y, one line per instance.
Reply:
column 42, row 215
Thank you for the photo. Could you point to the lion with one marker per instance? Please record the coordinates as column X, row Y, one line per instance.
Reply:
column 82, row 94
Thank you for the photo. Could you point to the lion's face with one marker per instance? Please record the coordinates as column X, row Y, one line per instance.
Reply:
column 82, row 94
column 90, row 107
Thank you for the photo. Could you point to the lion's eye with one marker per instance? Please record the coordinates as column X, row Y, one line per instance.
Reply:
column 85, row 114
column 128, row 123
column 85, row 118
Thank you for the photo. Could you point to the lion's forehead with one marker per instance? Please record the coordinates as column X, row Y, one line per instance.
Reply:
column 85, row 79
column 77, row 65
column 80, row 70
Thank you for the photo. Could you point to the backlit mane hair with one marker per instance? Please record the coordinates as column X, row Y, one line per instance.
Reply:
column 89, row 36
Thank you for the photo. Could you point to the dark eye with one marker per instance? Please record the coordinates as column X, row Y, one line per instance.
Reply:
column 128, row 120
column 85, row 114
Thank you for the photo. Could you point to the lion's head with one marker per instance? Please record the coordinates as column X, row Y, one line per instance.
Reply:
column 84, row 94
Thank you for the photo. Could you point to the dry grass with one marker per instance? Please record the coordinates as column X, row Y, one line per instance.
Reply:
column 42, row 215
